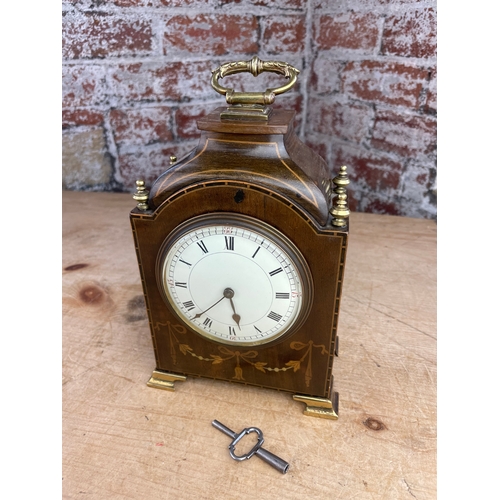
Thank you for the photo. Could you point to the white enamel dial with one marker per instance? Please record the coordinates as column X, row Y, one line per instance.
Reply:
column 234, row 281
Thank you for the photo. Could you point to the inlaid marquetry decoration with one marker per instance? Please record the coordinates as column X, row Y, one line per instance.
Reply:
column 247, row 357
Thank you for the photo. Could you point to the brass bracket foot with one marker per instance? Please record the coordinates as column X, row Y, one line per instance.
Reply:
column 320, row 407
column 165, row 380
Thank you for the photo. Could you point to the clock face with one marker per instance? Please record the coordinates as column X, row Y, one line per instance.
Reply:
column 234, row 279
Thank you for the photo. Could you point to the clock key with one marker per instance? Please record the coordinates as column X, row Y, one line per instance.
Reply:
column 267, row 456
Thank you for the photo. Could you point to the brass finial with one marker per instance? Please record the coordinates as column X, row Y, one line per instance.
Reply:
column 340, row 211
column 173, row 159
column 141, row 195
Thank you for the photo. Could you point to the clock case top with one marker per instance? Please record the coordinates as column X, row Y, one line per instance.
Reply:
column 264, row 171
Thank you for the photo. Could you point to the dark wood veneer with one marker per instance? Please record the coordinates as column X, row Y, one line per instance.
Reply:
column 263, row 171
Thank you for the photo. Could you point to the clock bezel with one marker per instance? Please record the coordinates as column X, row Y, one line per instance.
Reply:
column 256, row 225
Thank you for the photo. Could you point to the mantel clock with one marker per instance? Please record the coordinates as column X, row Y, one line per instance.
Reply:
column 241, row 248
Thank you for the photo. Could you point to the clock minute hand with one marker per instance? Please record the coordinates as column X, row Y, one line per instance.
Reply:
column 208, row 309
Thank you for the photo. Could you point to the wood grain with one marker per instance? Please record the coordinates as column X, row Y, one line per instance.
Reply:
column 122, row 439
column 265, row 154
column 180, row 351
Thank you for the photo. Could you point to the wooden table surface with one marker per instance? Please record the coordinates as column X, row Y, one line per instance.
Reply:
column 122, row 439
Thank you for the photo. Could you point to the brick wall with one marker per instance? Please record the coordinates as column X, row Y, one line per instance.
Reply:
column 136, row 77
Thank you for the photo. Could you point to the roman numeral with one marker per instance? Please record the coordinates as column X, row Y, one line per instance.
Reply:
column 281, row 295
column 180, row 284
column 201, row 244
column 257, row 329
column 232, row 331
column 276, row 271
column 184, row 262
column 274, row 316
column 229, row 242
column 253, row 256
column 188, row 305
column 208, row 322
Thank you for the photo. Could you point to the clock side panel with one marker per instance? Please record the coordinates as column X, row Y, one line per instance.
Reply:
column 300, row 361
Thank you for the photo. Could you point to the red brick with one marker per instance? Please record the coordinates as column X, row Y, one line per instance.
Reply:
column 381, row 206
column 385, row 82
column 346, row 120
column 75, row 117
column 284, row 34
column 431, row 97
column 362, row 4
column 190, row 3
column 93, row 35
column 149, row 163
column 92, row 4
column 213, row 35
column 418, row 181
column 319, row 146
column 83, row 85
column 375, row 179
column 135, row 3
column 151, row 81
column 160, row 159
column 406, row 135
column 293, row 101
column 186, row 118
column 290, row 100
column 375, row 170
column 347, row 31
column 353, row 201
column 141, row 126
column 411, row 34
column 325, row 74
column 136, row 166
column 277, row 4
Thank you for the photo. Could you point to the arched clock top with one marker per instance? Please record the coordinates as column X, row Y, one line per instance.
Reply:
column 266, row 154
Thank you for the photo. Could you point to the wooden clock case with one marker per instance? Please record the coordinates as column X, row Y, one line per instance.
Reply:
column 264, row 171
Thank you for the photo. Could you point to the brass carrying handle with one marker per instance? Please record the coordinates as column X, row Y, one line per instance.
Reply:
column 255, row 66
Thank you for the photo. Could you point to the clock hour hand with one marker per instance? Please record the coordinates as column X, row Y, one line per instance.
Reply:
column 236, row 317
column 229, row 294
column 208, row 309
